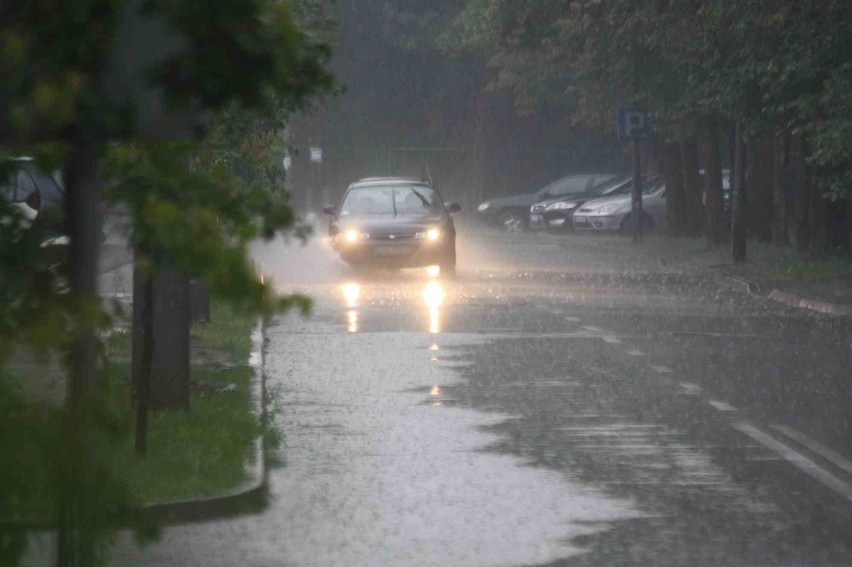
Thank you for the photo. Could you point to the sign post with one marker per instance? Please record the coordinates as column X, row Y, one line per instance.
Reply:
column 634, row 125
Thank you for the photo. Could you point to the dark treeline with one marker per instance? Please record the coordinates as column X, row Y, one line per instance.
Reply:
column 407, row 100
column 529, row 91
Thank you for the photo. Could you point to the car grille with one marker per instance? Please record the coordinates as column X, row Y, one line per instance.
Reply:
column 392, row 237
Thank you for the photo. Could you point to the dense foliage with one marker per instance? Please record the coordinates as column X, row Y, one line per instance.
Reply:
column 775, row 64
column 228, row 77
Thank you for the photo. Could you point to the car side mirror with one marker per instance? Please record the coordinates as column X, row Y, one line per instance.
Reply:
column 330, row 211
column 453, row 208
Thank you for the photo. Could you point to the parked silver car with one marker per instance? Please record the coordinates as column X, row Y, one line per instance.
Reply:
column 614, row 213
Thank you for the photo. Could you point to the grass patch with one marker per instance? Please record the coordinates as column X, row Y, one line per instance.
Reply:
column 195, row 454
column 190, row 454
column 229, row 331
column 785, row 263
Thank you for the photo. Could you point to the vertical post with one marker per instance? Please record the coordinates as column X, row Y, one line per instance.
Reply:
column 636, row 196
column 738, row 226
column 779, row 191
column 146, row 355
column 76, row 538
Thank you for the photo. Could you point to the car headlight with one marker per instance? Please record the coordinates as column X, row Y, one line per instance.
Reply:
column 483, row 206
column 432, row 235
column 606, row 209
column 560, row 206
column 352, row 235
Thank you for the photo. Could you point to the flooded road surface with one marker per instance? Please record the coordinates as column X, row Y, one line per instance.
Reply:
column 544, row 408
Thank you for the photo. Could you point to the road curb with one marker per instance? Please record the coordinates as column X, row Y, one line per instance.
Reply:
column 250, row 497
column 818, row 305
column 786, row 298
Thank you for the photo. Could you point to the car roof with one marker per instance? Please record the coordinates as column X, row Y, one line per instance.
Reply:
column 381, row 181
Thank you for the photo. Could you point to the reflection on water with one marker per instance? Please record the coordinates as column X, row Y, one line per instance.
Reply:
column 434, row 297
column 352, row 292
column 434, row 347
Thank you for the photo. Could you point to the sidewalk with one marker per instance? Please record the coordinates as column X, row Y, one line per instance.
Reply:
column 778, row 274
column 823, row 285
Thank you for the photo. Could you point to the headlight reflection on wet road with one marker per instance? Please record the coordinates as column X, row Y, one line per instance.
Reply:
column 434, row 297
column 351, row 293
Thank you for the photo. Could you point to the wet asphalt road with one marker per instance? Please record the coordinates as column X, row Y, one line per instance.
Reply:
column 539, row 410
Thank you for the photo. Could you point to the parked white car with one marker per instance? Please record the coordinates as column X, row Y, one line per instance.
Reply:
column 614, row 213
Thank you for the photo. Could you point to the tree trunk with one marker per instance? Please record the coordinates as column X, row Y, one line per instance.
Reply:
column 675, row 198
column 78, row 516
column 759, row 197
column 781, row 159
column 142, row 378
column 714, row 203
column 738, row 220
column 818, row 216
column 803, row 202
column 170, row 360
column 168, row 307
column 692, row 187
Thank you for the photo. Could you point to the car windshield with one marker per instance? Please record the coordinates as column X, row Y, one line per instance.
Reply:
column 393, row 200
column 567, row 186
column 613, row 186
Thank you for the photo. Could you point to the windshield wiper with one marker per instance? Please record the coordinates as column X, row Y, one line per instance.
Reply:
column 424, row 200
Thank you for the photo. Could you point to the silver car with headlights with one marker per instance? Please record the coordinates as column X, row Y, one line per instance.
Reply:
column 393, row 222
column 614, row 213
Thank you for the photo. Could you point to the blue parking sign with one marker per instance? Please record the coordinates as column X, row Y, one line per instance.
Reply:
column 633, row 124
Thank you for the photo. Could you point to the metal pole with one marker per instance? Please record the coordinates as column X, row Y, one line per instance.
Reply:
column 738, row 228
column 636, row 196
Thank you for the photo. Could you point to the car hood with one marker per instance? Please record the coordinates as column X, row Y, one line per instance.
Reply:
column 580, row 197
column 624, row 200
column 514, row 201
column 389, row 224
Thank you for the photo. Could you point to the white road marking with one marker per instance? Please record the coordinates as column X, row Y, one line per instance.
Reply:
column 662, row 369
column 635, row 352
column 690, row 387
column 721, row 406
column 572, row 319
column 816, row 447
column 612, row 340
column 594, row 330
column 797, row 459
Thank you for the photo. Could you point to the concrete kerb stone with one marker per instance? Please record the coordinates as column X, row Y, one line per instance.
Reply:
column 786, row 298
column 818, row 305
column 250, row 496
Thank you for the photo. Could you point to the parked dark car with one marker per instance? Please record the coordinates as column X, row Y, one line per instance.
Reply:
column 555, row 214
column 35, row 195
column 512, row 213
column 394, row 223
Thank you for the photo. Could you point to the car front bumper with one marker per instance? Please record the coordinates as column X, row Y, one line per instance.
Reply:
column 596, row 222
column 407, row 253
column 559, row 219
